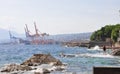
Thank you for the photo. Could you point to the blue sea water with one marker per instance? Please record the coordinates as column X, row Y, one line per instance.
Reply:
column 84, row 61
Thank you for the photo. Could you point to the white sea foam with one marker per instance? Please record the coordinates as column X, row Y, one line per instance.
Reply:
column 102, row 55
column 95, row 48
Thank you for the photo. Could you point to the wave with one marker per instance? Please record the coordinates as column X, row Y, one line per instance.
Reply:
column 95, row 48
column 102, row 55
column 99, row 55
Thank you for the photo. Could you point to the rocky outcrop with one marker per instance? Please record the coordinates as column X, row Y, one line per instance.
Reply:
column 116, row 52
column 15, row 67
column 38, row 59
column 37, row 64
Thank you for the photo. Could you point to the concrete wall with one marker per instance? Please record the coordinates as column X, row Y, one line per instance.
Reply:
column 99, row 43
column 106, row 70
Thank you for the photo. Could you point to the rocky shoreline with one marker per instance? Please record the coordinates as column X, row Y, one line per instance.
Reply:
column 37, row 64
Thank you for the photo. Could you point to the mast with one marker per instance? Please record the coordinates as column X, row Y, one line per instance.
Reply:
column 27, row 31
column 10, row 34
column 36, row 30
column 26, row 28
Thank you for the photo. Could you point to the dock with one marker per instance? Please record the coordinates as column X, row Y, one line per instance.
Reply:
column 106, row 70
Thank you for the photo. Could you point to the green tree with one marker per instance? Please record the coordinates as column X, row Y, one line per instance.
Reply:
column 108, row 31
column 115, row 33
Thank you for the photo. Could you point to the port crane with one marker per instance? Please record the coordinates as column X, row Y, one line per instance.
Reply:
column 38, row 37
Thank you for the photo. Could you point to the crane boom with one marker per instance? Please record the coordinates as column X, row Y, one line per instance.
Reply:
column 36, row 30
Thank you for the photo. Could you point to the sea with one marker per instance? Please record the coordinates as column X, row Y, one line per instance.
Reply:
column 81, row 61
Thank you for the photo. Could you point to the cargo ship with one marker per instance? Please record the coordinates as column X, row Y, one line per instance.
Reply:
column 37, row 38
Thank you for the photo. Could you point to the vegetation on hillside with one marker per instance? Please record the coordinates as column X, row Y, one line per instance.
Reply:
column 108, row 31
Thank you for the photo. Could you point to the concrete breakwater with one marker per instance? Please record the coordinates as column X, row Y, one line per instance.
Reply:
column 114, row 50
column 37, row 64
column 87, row 44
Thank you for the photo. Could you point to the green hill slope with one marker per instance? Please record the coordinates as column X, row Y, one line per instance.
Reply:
column 108, row 31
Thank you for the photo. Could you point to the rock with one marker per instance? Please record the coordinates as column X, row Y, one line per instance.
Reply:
column 50, row 67
column 15, row 67
column 57, row 68
column 41, row 71
column 37, row 64
column 17, row 72
column 72, row 73
column 116, row 52
column 38, row 59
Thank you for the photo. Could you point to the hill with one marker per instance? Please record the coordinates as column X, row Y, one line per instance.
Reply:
column 5, row 34
column 108, row 31
column 72, row 37
column 60, row 37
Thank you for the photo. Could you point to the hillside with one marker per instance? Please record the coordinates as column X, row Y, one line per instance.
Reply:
column 108, row 31
column 5, row 34
column 60, row 37
column 72, row 37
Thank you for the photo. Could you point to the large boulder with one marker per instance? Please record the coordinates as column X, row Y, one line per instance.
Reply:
column 15, row 67
column 38, row 59
column 116, row 52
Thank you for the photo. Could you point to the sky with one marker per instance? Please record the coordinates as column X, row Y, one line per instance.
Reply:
column 58, row 16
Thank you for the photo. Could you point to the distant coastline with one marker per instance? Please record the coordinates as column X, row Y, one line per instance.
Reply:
column 5, row 39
